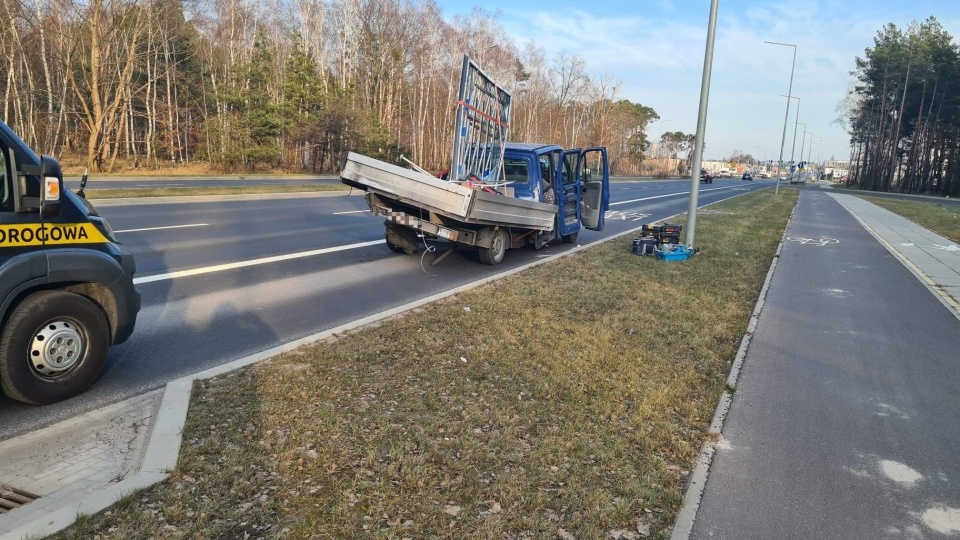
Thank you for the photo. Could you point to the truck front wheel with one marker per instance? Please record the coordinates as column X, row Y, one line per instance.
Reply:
column 52, row 347
column 498, row 248
column 570, row 238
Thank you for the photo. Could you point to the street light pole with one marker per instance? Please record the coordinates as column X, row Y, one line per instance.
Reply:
column 796, row 119
column 795, row 143
column 803, row 141
column 786, row 114
column 701, row 125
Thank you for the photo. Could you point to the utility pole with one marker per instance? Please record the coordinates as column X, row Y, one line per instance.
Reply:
column 701, row 125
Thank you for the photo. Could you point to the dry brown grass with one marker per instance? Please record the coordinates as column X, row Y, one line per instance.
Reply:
column 570, row 399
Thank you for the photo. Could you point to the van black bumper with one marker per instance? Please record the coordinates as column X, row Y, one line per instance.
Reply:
column 127, row 298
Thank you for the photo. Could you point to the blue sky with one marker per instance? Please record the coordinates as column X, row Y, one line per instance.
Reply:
column 656, row 48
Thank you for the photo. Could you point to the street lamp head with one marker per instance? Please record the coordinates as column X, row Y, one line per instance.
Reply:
column 778, row 43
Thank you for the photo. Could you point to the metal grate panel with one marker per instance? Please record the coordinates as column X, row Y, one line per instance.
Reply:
column 11, row 498
column 481, row 124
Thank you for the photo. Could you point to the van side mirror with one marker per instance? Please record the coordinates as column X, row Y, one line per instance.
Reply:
column 51, row 179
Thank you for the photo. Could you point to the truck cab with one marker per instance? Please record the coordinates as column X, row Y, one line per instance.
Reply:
column 576, row 181
column 66, row 283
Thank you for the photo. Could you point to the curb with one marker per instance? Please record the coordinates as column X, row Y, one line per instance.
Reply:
column 698, row 478
column 163, row 447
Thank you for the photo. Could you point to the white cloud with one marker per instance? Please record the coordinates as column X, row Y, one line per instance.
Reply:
column 660, row 62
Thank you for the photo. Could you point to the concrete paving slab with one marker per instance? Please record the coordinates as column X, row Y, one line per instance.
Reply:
column 75, row 458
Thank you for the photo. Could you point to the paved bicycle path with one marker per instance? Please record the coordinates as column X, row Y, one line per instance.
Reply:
column 846, row 419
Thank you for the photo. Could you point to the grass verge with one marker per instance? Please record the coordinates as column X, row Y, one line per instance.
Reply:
column 941, row 219
column 568, row 401
column 226, row 190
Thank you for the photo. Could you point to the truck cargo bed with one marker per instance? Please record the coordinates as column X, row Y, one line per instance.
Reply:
column 445, row 198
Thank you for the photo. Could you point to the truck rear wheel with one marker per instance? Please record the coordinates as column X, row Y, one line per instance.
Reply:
column 498, row 248
column 570, row 238
column 401, row 239
column 53, row 347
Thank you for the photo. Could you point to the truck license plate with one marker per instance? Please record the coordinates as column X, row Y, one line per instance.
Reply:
column 446, row 233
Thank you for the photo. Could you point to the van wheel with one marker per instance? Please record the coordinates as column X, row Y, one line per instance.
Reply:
column 570, row 238
column 498, row 248
column 53, row 347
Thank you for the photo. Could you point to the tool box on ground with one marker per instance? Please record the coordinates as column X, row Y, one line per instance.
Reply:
column 645, row 245
column 668, row 233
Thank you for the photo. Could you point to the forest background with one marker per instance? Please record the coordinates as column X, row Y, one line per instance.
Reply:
column 246, row 86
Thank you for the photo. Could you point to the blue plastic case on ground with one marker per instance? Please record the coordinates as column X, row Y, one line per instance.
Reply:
column 679, row 254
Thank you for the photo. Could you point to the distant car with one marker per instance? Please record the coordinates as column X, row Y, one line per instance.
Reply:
column 706, row 176
column 746, row 176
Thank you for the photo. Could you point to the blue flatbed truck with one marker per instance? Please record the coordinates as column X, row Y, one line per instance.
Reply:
column 66, row 283
column 546, row 193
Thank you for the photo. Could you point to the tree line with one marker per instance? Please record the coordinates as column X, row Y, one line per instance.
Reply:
column 904, row 112
column 242, row 85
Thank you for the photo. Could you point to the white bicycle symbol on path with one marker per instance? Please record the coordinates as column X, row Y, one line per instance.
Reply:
column 819, row 242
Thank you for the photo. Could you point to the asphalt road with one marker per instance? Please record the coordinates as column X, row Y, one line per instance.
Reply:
column 845, row 417
column 329, row 266
column 147, row 182
column 198, row 181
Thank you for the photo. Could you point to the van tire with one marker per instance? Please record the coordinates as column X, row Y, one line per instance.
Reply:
column 54, row 315
column 498, row 247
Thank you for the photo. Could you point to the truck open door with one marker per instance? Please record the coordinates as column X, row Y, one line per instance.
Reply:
column 568, row 199
column 593, row 174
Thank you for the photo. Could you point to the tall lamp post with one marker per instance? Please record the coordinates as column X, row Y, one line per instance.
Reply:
column 786, row 114
column 796, row 120
column 803, row 143
column 701, row 124
column 803, row 139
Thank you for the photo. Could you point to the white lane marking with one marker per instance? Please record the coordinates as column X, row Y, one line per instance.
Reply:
column 252, row 262
column 156, row 185
column 662, row 196
column 351, row 212
column 163, row 228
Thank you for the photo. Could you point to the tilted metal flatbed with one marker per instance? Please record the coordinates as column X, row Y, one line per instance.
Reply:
column 407, row 189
